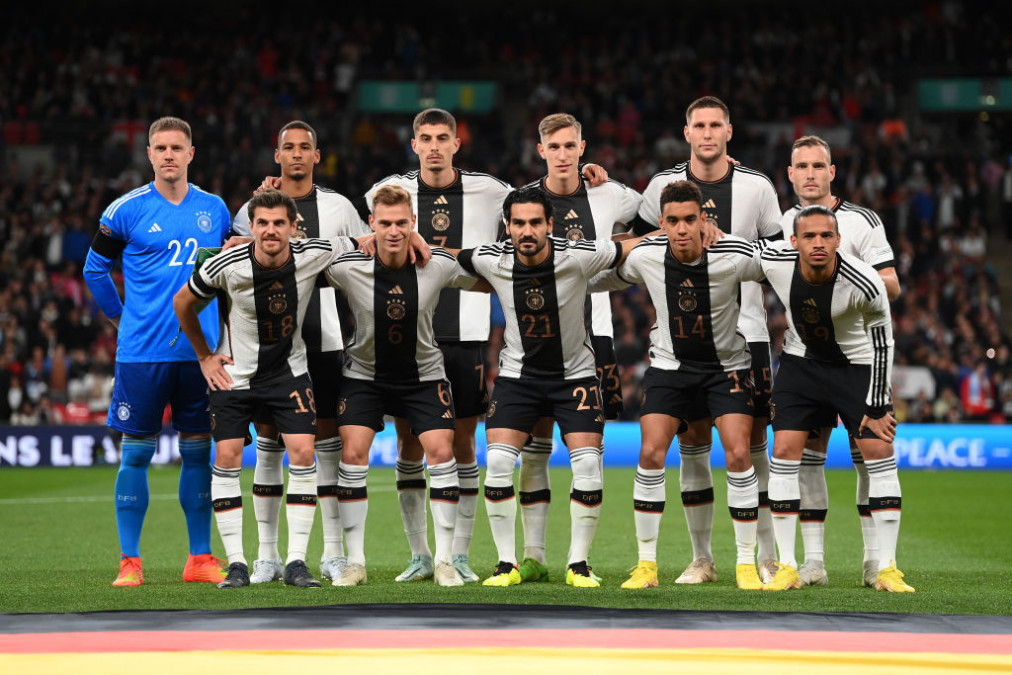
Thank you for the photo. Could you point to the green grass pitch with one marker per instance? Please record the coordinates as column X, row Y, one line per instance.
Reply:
column 60, row 550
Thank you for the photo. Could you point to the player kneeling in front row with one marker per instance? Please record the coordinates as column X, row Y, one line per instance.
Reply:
column 838, row 355
column 260, row 365
column 699, row 368
column 394, row 367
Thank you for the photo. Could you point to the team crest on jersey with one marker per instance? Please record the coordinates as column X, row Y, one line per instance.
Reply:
column 123, row 412
column 342, row 405
column 491, row 409
column 575, row 233
column 534, row 299
column 298, row 234
column 440, row 221
column 277, row 302
column 687, row 301
column 810, row 311
column 204, row 222
column 396, row 310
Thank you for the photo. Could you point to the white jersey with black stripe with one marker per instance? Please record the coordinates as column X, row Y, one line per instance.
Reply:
column 264, row 308
column 394, row 339
column 845, row 320
column 861, row 233
column 546, row 335
column 592, row 213
column 696, row 303
column 743, row 203
column 465, row 214
column 323, row 213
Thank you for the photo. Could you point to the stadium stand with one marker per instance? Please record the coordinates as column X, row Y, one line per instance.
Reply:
column 78, row 97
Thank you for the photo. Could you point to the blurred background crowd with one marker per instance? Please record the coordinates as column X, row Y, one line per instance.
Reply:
column 79, row 93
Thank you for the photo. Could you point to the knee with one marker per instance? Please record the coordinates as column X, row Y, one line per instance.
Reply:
column 501, row 461
column 653, row 457
column 136, row 458
column 586, row 469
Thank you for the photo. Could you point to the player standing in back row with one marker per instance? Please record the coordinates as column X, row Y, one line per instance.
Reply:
column 862, row 236
column 583, row 212
column 157, row 229
column 322, row 213
column 742, row 202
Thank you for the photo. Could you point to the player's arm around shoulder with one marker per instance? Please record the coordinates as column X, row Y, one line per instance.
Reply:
column 744, row 255
column 455, row 275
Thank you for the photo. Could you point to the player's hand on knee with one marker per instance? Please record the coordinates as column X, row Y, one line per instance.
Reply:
column 213, row 368
column 884, row 427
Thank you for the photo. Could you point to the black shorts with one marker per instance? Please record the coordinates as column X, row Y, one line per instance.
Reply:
column 517, row 404
column 607, row 373
column 809, row 394
column 325, row 369
column 465, row 369
column 694, row 396
column 290, row 404
column 762, row 375
column 425, row 405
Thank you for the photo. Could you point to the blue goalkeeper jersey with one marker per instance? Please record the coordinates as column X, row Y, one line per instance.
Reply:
column 158, row 242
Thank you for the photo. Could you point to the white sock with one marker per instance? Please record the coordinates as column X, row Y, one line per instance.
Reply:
column 268, row 489
column 354, row 498
column 648, row 509
column 885, row 501
column 411, row 496
column 743, row 502
column 328, row 457
column 867, row 522
column 470, row 479
column 785, row 500
column 300, row 509
column 500, row 499
column 696, row 484
column 765, row 541
column 814, row 504
column 444, row 496
column 226, row 500
column 584, row 501
column 535, row 496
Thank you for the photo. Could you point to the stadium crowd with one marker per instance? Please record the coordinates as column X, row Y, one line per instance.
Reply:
column 78, row 98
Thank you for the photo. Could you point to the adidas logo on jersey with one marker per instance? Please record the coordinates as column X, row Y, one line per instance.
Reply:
column 396, row 290
column 154, row 228
column 572, row 215
column 687, row 284
column 448, row 415
column 709, row 204
column 276, row 286
column 811, row 302
column 442, row 200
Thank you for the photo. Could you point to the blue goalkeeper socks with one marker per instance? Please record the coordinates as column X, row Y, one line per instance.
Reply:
column 132, row 492
column 195, row 492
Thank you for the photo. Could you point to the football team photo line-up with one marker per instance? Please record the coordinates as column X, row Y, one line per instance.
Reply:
column 254, row 336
